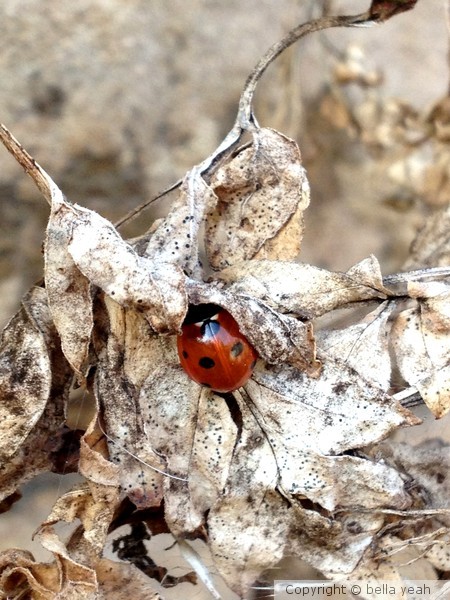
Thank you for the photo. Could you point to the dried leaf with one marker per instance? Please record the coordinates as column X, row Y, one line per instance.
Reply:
column 111, row 264
column 68, row 290
column 420, row 339
column 428, row 465
column 287, row 242
column 302, row 289
column 121, row 581
column 337, row 412
column 94, row 506
column 431, row 247
column 25, row 370
column 363, row 347
column 21, row 575
column 175, row 240
column 258, row 192
column 276, row 337
column 34, row 384
column 285, row 439
column 132, row 353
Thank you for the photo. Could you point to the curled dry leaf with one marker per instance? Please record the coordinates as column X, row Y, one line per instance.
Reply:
column 108, row 262
column 130, row 356
column 93, row 505
column 302, row 289
column 68, row 290
column 25, row 370
column 123, row 581
column 34, row 384
column 276, row 337
column 176, row 239
column 258, row 192
column 78, row 571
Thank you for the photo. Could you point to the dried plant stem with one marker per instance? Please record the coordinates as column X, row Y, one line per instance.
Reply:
column 30, row 166
column 245, row 120
column 245, row 113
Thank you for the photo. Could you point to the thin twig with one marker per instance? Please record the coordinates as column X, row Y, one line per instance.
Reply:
column 30, row 166
column 138, row 209
column 245, row 120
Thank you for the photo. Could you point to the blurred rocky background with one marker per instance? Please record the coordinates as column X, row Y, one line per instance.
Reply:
column 116, row 100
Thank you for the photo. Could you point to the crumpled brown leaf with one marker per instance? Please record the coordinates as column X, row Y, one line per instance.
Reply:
column 78, row 572
column 34, row 385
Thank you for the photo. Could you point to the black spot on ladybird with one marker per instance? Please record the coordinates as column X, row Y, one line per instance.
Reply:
column 237, row 349
column 185, row 354
column 206, row 362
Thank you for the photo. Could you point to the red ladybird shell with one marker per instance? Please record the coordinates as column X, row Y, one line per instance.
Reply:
column 213, row 351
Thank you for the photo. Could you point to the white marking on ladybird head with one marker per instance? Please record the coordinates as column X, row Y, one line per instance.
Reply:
column 213, row 318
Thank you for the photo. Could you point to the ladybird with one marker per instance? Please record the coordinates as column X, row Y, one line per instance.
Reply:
column 213, row 351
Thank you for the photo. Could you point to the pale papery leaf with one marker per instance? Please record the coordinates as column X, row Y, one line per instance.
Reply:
column 339, row 410
column 258, row 192
column 431, row 247
column 68, row 290
column 364, row 346
column 435, row 391
column 94, row 506
column 110, row 263
column 420, row 340
column 374, row 574
column 132, row 352
column 253, row 525
column 213, row 449
column 439, row 553
column 176, row 238
column 169, row 402
column 25, row 370
column 123, row 581
column 286, row 244
column 309, row 423
column 302, row 289
column 94, row 463
column 428, row 465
